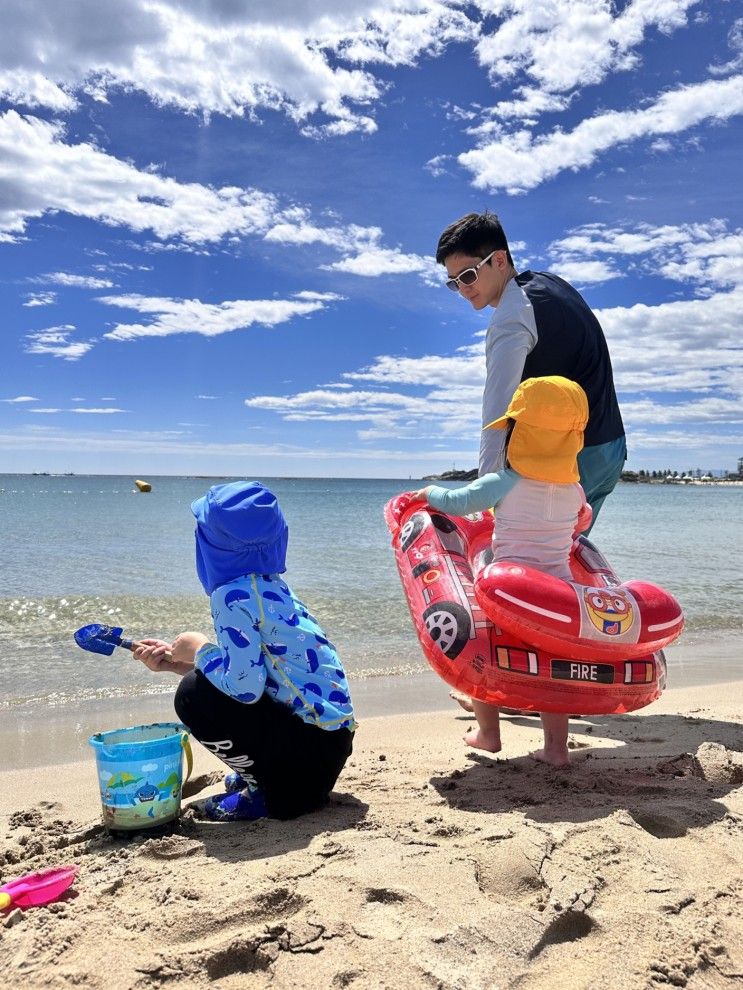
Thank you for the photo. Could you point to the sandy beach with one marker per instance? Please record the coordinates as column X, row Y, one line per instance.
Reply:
column 433, row 866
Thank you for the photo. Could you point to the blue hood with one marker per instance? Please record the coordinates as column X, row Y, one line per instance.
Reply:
column 240, row 529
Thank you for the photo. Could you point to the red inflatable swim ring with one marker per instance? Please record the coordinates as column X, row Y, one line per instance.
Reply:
column 437, row 557
column 583, row 620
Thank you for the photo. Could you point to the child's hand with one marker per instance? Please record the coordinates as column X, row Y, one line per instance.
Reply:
column 152, row 653
column 423, row 493
column 186, row 645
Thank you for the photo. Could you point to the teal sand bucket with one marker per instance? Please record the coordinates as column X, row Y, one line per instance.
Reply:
column 140, row 774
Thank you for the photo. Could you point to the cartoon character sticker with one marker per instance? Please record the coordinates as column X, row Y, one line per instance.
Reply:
column 610, row 610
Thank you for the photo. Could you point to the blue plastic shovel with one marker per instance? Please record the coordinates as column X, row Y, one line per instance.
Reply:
column 97, row 638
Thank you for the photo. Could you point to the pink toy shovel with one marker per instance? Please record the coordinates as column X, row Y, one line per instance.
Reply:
column 36, row 889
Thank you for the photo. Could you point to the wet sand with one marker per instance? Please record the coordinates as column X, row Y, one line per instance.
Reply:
column 41, row 736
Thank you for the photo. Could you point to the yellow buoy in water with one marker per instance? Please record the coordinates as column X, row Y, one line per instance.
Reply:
column 143, row 486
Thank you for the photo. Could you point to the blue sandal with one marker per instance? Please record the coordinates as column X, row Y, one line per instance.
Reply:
column 234, row 781
column 235, row 806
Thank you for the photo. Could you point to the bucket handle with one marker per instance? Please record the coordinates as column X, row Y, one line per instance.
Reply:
column 186, row 744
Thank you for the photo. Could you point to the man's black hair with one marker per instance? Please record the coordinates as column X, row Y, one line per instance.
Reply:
column 476, row 235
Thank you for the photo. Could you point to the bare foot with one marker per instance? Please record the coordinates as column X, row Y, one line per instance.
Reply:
column 558, row 758
column 480, row 739
column 462, row 699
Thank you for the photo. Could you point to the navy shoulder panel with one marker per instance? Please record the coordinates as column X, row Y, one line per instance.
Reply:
column 571, row 343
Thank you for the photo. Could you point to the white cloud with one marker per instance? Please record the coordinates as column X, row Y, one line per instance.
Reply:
column 735, row 40
column 298, row 230
column 585, row 272
column 374, row 262
column 438, row 165
column 232, row 58
column 41, row 174
column 386, row 414
column 40, row 299
column 713, row 410
column 519, row 161
column 32, row 89
column 708, row 255
column 688, row 344
column 447, row 403
column 172, row 316
column 361, row 247
column 56, row 341
column 144, row 444
column 676, row 444
column 100, row 411
column 310, row 296
column 21, row 398
column 464, row 368
column 74, row 281
column 96, row 412
column 296, row 227
column 573, row 43
column 527, row 107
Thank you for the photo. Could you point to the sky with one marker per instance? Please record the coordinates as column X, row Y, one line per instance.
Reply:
column 218, row 221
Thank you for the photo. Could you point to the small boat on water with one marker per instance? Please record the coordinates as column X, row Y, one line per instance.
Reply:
column 143, row 486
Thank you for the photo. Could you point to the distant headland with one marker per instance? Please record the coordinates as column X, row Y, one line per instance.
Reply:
column 452, row 475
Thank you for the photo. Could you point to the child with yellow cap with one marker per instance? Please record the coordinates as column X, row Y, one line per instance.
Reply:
column 539, row 504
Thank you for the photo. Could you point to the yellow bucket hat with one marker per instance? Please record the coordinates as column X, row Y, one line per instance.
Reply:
column 550, row 415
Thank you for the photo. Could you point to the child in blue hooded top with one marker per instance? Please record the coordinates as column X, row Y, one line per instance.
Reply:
column 270, row 697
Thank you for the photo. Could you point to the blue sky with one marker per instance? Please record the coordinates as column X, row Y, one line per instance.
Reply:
column 217, row 225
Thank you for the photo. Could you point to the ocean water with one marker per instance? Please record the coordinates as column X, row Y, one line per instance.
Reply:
column 80, row 549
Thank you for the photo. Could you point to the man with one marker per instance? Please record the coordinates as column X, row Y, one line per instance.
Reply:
column 541, row 326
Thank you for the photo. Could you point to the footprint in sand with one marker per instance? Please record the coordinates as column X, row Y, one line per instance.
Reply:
column 568, row 927
column 659, row 826
column 383, row 895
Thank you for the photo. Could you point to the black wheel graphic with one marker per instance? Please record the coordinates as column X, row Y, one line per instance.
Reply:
column 411, row 530
column 448, row 625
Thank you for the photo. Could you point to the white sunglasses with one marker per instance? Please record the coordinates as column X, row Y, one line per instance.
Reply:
column 468, row 276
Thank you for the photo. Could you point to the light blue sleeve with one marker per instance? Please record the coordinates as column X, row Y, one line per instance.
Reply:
column 235, row 664
column 481, row 494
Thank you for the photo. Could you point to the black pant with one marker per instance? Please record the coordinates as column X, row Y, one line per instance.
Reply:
column 295, row 764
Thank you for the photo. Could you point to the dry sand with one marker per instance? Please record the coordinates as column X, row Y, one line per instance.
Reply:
column 432, row 867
